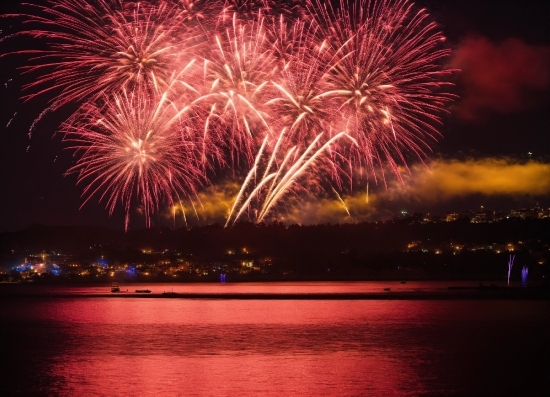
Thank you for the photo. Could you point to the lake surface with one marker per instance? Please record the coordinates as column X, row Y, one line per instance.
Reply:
column 209, row 347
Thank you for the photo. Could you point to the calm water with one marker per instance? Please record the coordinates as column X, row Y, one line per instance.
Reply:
column 169, row 347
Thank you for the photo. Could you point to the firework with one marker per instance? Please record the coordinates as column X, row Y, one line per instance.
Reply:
column 299, row 103
column 246, row 10
column 170, row 91
column 236, row 77
column 280, row 175
column 135, row 149
column 193, row 12
column 100, row 47
column 385, row 72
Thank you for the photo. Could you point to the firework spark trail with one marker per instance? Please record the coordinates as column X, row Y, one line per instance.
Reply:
column 133, row 149
column 182, row 209
column 296, row 170
column 11, row 120
column 243, row 10
column 246, row 10
column 253, row 172
column 281, row 177
column 236, row 74
column 248, row 178
column 298, row 100
column 341, row 201
column 37, row 120
column 193, row 12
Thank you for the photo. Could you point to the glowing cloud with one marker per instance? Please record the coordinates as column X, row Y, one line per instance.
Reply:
column 499, row 77
column 443, row 181
column 213, row 206
column 490, row 176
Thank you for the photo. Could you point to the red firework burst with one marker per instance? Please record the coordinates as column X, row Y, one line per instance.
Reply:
column 104, row 46
column 385, row 71
column 237, row 72
column 135, row 148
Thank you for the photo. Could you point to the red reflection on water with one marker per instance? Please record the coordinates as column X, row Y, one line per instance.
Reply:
column 133, row 346
column 240, row 375
column 183, row 311
column 217, row 347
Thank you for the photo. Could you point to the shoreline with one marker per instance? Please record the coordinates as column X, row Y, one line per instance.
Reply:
column 440, row 294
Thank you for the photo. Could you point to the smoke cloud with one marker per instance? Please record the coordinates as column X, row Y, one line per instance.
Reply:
column 447, row 179
column 443, row 181
column 500, row 77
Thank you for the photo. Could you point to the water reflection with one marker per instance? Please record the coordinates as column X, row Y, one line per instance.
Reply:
column 221, row 347
column 155, row 347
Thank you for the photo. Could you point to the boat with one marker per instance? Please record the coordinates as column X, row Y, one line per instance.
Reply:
column 143, row 291
column 169, row 293
column 115, row 287
column 387, row 289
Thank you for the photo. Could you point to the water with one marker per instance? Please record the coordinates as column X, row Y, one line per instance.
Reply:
column 170, row 347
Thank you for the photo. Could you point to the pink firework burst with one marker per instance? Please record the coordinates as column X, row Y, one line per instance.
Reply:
column 237, row 72
column 299, row 103
column 135, row 148
column 98, row 47
column 385, row 71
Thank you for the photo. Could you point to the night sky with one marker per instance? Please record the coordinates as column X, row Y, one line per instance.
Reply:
column 495, row 149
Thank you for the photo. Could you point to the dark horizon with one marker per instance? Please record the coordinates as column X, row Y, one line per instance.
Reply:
column 411, row 248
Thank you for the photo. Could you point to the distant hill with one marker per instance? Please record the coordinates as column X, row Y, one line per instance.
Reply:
column 404, row 248
column 276, row 239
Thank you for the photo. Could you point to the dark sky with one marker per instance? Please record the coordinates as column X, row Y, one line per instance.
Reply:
column 502, row 48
